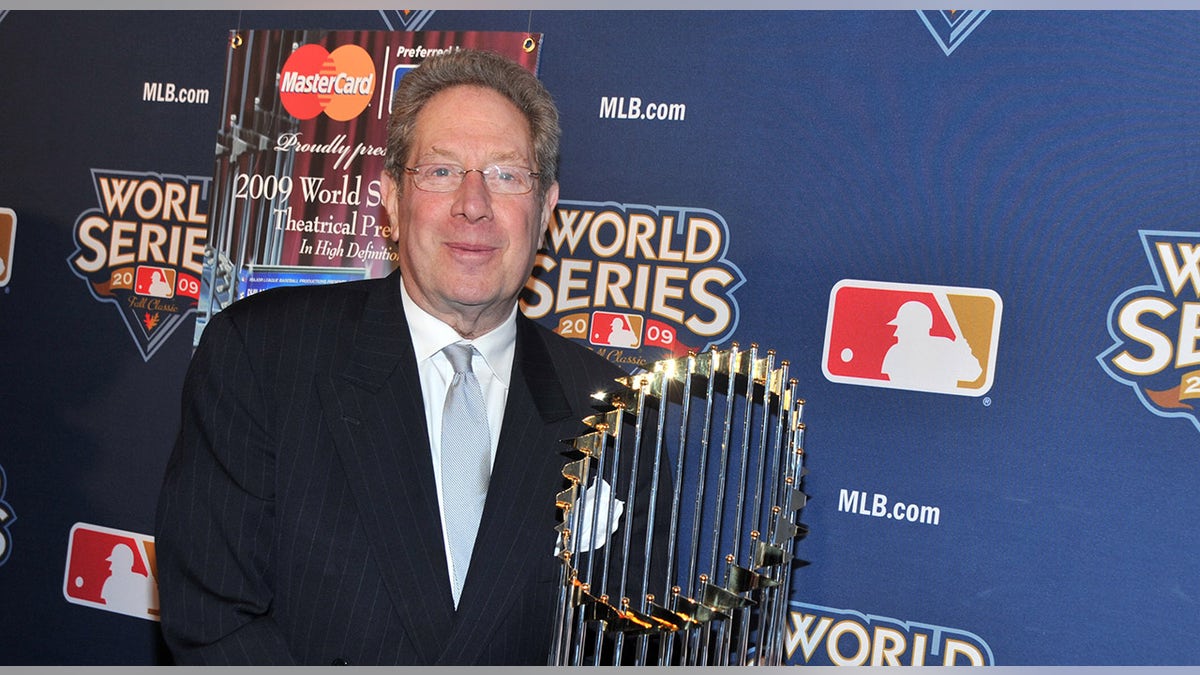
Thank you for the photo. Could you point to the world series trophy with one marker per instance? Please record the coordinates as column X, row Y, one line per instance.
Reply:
column 705, row 579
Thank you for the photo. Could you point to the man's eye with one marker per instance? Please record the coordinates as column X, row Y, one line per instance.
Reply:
column 439, row 171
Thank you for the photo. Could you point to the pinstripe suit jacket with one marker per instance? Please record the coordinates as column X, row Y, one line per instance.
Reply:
column 298, row 519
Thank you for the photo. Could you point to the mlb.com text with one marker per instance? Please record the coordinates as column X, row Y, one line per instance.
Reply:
column 633, row 108
column 878, row 505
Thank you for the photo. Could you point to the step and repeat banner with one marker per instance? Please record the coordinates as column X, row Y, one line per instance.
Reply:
column 973, row 235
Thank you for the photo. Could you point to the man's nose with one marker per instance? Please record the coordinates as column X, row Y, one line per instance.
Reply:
column 473, row 200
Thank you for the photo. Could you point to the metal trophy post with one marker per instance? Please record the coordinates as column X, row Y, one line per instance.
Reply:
column 680, row 520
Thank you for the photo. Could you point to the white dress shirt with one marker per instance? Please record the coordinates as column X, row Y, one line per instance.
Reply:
column 494, row 371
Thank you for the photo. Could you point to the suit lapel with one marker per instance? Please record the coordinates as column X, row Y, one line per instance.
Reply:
column 514, row 536
column 372, row 402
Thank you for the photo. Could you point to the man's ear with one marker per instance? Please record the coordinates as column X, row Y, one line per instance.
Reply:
column 389, row 194
column 549, row 203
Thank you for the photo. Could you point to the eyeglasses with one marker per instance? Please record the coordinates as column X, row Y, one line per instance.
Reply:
column 501, row 180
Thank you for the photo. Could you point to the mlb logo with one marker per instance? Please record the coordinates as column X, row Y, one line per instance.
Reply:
column 8, row 237
column 916, row 337
column 158, row 282
column 616, row 329
column 113, row 570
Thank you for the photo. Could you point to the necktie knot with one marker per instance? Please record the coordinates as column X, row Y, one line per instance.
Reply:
column 459, row 354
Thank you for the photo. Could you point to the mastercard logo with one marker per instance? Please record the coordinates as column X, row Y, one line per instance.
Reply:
column 339, row 83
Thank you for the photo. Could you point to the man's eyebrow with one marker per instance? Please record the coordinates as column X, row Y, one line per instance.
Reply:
column 443, row 154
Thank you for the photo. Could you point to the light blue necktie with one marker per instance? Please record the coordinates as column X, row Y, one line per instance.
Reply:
column 466, row 461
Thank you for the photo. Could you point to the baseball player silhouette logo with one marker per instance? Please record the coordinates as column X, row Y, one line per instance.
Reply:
column 616, row 329
column 921, row 360
column 939, row 339
column 112, row 570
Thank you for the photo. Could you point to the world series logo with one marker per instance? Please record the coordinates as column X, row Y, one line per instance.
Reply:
column 825, row 636
column 1155, row 328
column 950, row 27
column 142, row 250
column 7, row 518
column 635, row 283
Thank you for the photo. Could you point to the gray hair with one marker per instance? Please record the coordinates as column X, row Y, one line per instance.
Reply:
column 482, row 69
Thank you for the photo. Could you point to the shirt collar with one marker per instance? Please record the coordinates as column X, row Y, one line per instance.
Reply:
column 430, row 335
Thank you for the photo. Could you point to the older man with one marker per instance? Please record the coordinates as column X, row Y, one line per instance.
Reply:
column 307, row 515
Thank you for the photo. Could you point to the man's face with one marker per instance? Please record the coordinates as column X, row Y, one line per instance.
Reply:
column 468, row 253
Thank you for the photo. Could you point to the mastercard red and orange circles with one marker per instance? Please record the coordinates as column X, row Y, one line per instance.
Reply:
column 339, row 83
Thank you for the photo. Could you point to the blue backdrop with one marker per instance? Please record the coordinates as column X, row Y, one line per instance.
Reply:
column 1032, row 175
